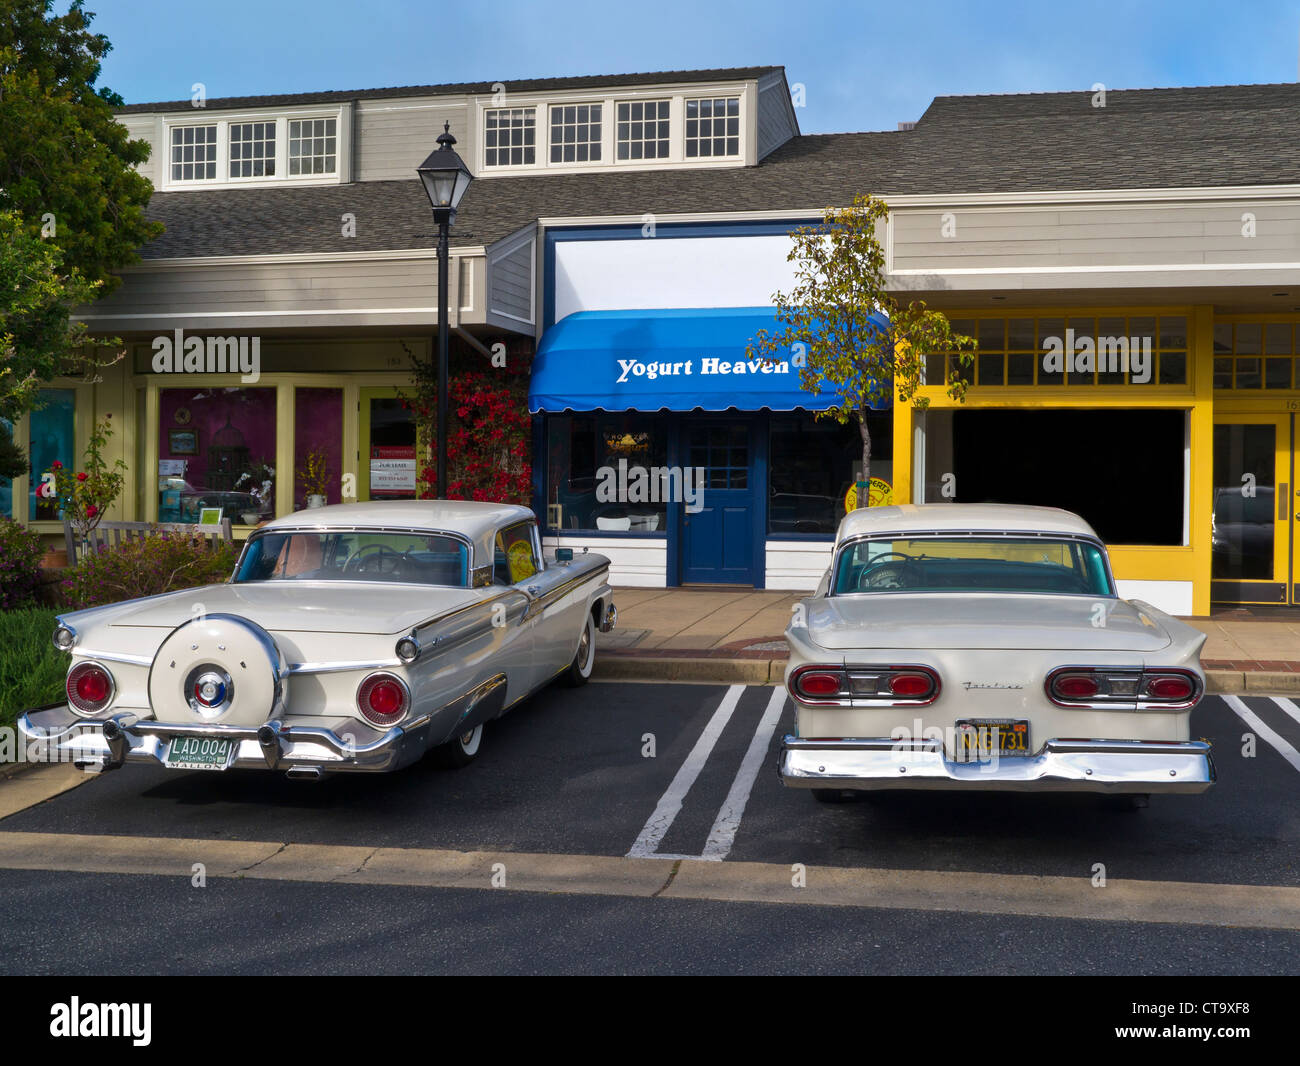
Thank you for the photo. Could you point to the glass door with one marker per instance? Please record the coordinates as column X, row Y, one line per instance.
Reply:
column 1254, row 505
column 387, row 436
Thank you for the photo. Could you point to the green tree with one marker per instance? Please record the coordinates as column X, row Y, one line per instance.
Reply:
column 847, row 333
column 67, row 166
column 38, row 338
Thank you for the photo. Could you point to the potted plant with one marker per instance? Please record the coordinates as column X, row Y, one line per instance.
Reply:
column 84, row 496
column 314, row 478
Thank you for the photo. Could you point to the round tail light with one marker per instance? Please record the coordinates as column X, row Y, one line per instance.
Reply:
column 89, row 688
column 1076, row 687
column 1171, row 687
column 910, row 685
column 383, row 699
column 818, row 683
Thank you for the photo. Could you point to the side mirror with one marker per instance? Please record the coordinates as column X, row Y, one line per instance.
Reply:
column 564, row 555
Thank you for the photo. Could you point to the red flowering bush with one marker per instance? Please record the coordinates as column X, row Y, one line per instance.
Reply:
column 84, row 496
column 489, row 432
column 158, row 562
column 20, row 565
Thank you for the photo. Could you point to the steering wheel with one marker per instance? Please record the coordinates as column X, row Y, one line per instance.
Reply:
column 359, row 563
column 885, row 572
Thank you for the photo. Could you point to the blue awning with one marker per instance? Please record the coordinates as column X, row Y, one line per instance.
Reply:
column 675, row 360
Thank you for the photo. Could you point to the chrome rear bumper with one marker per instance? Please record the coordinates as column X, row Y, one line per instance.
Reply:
column 1116, row 766
column 306, row 749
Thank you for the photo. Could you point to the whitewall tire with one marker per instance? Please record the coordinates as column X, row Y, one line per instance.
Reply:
column 584, row 659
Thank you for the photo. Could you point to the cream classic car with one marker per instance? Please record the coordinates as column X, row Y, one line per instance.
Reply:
column 350, row 638
column 983, row 646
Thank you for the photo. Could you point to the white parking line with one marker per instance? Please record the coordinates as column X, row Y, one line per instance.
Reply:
column 1253, row 720
column 670, row 803
column 723, row 833
column 1286, row 705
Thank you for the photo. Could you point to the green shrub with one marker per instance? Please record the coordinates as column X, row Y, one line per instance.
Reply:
column 20, row 565
column 158, row 562
column 31, row 669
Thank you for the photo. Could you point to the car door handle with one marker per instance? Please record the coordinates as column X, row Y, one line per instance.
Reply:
column 534, row 590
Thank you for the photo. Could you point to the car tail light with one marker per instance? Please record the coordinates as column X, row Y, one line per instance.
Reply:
column 89, row 688
column 1076, row 686
column 383, row 699
column 911, row 685
column 1175, row 687
column 820, row 683
column 1097, row 686
column 865, row 686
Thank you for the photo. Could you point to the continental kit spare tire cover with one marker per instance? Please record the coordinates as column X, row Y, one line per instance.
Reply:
column 218, row 669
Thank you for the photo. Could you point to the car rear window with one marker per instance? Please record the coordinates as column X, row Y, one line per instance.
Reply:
column 359, row 555
column 972, row 564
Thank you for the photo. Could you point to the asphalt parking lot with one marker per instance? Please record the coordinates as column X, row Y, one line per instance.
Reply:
column 644, row 830
column 572, row 773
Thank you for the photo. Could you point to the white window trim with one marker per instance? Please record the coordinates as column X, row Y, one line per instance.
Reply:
column 610, row 99
column 740, row 144
column 223, row 121
column 541, row 121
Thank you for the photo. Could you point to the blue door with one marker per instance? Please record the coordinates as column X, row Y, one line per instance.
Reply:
column 718, row 539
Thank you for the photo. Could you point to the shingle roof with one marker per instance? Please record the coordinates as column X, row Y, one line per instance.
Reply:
column 590, row 81
column 1146, row 138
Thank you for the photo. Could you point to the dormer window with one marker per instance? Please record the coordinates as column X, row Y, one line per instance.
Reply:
column 575, row 133
column 510, row 137
column 643, row 129
column 252, row 149
column 194, row 153
column 713, row 127
column 313, row 146
column 306, row 146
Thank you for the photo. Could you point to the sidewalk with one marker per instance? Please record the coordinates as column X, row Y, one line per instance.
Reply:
column 721, row 635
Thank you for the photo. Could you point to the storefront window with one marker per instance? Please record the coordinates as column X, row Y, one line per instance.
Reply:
column 604, row 473
column 1256, row 355
column 1122, row 470
column 6, row 486
column 1079, row 350
column 318, row 446
column 216, row 450
column 813, row 463
column 53, row 436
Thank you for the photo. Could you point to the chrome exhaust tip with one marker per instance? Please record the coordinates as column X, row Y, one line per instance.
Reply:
column 304, row 773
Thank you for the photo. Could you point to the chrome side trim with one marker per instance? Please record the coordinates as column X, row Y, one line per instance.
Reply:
column 114, row 657
column 540, row 603
column 339, row 667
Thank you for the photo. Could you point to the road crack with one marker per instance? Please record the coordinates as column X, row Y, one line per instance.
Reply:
column 677, row 865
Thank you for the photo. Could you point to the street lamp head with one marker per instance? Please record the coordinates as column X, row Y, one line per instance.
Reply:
column 444, row 174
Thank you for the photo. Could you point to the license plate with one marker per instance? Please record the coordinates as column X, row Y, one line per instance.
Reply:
column 199, row 753
column 981, row 738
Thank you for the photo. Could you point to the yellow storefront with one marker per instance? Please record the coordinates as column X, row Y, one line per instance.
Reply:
column 1129, row 447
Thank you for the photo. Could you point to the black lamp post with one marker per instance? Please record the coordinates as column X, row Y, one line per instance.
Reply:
column 445, row 177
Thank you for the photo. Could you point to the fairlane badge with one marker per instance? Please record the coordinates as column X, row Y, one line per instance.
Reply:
column 968, row 685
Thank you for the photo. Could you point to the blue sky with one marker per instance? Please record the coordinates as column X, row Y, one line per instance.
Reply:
column 864, row 66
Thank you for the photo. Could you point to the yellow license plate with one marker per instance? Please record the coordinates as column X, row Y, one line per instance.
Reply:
column 985, row 738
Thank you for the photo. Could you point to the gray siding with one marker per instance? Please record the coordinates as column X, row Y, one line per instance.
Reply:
column 393, row 137
column 286, row 295
column 1119, row 236
column 776, row 122
column 510, row 280
column 147, row 128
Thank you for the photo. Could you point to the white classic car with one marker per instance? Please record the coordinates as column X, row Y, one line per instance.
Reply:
column 350, row 638
column 983, row 646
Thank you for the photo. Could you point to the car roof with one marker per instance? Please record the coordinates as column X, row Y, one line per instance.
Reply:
column 476, row 521
column 963, row 518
